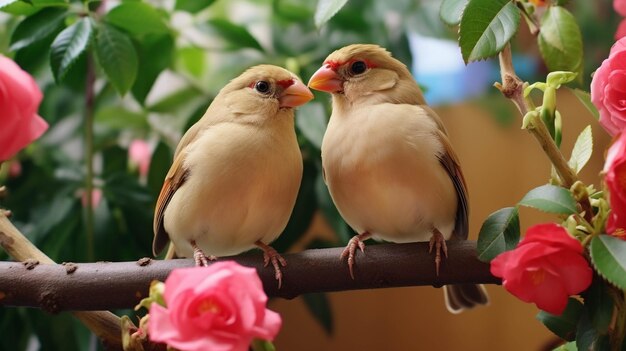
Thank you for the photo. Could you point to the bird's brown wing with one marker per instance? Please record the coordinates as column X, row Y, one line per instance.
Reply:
column 450, row 163
column 175, row 178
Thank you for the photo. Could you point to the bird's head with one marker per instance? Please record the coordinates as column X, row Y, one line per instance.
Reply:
column 265, row 88
column 366, row 71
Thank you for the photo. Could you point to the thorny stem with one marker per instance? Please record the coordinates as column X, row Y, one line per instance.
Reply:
column 89, row 150
column 512, row 87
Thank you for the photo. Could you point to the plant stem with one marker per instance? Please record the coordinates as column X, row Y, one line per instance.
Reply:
column 89, row 151
column 512, row 87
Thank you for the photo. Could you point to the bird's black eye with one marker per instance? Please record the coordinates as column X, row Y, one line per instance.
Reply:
column 358, row 67
column 262, row 87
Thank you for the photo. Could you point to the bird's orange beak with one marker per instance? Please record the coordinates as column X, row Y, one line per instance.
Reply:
column 295, row 95
column 326, row 79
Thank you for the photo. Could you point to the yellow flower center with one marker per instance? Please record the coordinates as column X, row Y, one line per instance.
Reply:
column 538, row 276
column 208, row 306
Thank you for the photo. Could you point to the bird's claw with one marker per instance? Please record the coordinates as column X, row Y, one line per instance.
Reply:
column 350, row 250
column 438, row 242
column 199, row 257
column 271, row 255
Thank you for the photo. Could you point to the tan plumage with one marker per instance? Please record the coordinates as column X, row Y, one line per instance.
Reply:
column 388, row 163
column 236, row 172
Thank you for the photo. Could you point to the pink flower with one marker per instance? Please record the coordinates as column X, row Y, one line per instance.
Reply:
column 139, row 155
column 19, row 101
column 219, row 308
column 608, row 92
column 96, row 197
column 621, row 30
column 620, row 7
column 615, row 178
column 545, row 268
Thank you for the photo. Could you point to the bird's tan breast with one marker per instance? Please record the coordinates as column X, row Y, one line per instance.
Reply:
column 242, row 187
column 384, row 175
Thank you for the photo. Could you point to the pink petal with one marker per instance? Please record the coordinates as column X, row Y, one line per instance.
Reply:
column 160, row 328
column 620, row 7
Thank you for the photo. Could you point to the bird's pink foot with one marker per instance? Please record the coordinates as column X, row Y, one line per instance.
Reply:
column 199, row 257
column 438, row 242
column 271, row 255
column 350, row 250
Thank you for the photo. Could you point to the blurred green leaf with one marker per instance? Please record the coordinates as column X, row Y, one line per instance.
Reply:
column 173, row 102
column 235, row 35
column 486, row 27
column 159, row 166
column 137, row 18
column 608, row 255
column 193, row 6
column 500, row 232
column 115, row 160
column 68, row 46
column 122, row 188
column 600, row 305
column 14, row 322
column 581, row 153
column 23, row 8
column 587, row 337
column 4, row 3
column 570, row 346
column 191, row 59
column 550, row 198
column 117, row 57
column 564, row 326
column 155, row 53
column 37, row 27
column 326, row 9
column 319, row 306
column 290, row 11
column 560, row 41
column 585, row 98
column 311, row 121
column 120, row 118
column 451, row 11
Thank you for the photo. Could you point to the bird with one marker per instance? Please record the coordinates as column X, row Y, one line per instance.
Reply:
column 388, row 162
column 236, row 172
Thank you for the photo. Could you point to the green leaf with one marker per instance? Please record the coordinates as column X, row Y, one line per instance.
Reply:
column 451, row 11
column 600, row 304
column 137, row 18
column 68, row 46
column 192, row 6
column 311, row 121
column 117, row 57
column 23, row 8
column 159, row 166
column 587, row 337
column 118, row 117
column 486, row 27
column 319, row 306
column 237, row 36
column 564, row 326
column 585, row 98
column 4, row 3
column 500, row 232
column 37, row 27
column 608, row 255
column 326, row 9
column 570, row 346
column 581, row 153
column 262, row 345
column 550, row 198
column 560, row 41
column 155, row 53
column 191, row 59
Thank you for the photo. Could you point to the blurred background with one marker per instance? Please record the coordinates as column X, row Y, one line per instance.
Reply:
column 185, row 51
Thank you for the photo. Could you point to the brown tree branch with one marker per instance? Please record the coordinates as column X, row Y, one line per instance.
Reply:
column 104, row 324
column 106, row 285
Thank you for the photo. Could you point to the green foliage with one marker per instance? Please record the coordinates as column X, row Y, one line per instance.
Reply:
column 451, row 11
column 117, row 57
column 550, row 198
column 581, row 153
column 69, row 46
column 564, row 326
column 500, row 232
column 319, row 306
column 560, row 41
column 235, row 35
column 486, row 27
column 608, row 255
column 326, row 9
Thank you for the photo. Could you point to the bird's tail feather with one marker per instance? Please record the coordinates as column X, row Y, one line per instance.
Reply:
column 464, row 296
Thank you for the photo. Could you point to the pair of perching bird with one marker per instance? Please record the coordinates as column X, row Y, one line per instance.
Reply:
column 387, row 161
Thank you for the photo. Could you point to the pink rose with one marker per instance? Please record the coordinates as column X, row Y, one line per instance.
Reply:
column 607, row 89
column 621, row 30
column 620, row 7
column 19, row 101
column 139, row 155
column 615, row 179
column 545, row 268
column 221, row 307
